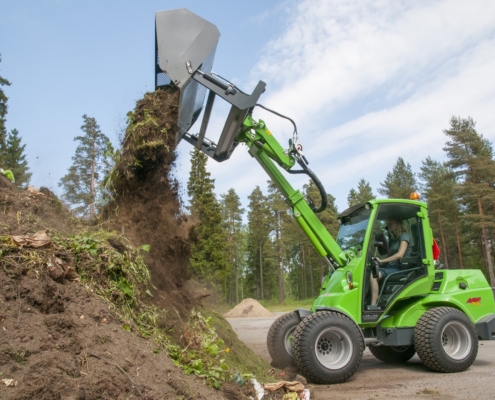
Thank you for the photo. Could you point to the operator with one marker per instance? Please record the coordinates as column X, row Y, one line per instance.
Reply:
column 400, row 246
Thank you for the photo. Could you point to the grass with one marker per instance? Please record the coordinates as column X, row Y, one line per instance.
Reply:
column 287, row 306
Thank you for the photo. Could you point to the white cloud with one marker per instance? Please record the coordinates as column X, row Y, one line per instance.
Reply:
column 370, row 81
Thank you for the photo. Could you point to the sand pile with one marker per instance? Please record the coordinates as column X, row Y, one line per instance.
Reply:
column 248, row 308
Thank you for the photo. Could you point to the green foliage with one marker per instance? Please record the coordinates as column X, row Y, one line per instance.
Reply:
column 90, row 164
column 400, row 182
column 15, row 159
column 282, row 223
column 208, row 254
column 3, row 113
column 232, row 223
column 260, row 255
column 438, row 189
column 363, row 194
column 470, row 156
column 204, row 353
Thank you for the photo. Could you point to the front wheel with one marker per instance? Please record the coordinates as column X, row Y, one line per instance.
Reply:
column 393, row 354
column 446, row 340
column 279, row 340
column 328, row 347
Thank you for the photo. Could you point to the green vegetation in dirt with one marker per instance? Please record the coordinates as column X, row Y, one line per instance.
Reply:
column 149, row 142
column 239, row 358
column 204, row 353
column 208, row 348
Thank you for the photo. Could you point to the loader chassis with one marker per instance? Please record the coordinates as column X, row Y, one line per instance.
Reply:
column 440, row 314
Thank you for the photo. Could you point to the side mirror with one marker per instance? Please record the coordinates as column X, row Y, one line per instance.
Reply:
column 381, row 243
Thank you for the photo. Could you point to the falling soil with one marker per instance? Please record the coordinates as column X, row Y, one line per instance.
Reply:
column 248, row 308
column 146, row 204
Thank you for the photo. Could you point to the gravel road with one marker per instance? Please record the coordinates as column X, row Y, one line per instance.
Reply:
column 376, row 380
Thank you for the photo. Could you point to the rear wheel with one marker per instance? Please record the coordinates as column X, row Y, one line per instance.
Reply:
column 279, row 340
column 328, row 347
column 446, row 340
column 393, row 354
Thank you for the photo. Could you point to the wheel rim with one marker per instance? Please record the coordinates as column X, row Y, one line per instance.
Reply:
column 334, row 348
column 288, row 340
column 456, row 340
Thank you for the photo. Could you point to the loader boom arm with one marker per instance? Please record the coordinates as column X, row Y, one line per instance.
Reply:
column 267, row 151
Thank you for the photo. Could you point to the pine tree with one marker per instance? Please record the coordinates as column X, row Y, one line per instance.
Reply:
column 15, row 159
column 438, row 188
column 232, row 215
column 3, row 113
column 258, row 244
column 90, row 163
column 400, row 182
column 281, row 222
column 208, row 254
column 471, row 157
column 363, row 194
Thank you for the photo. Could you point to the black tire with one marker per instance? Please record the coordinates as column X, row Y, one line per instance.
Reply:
column 328, row 347
column 393, row 354
column 446, row 340
column 279, row 340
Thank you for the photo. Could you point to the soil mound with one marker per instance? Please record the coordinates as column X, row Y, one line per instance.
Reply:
column 59, row 338
column 60, row 341
column 248, row 308
column 27, row 212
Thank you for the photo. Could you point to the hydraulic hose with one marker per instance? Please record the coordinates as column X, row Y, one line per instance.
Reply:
column 319, row 185
column 301, row 160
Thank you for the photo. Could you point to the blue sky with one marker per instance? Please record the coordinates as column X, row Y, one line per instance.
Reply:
column 366, row 81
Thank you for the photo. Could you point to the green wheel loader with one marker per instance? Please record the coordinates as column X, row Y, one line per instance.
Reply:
column 438, row 314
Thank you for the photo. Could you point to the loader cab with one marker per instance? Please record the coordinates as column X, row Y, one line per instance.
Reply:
column 406, row 270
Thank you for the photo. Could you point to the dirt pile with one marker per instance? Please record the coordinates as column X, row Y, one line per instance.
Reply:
column 28, row 212
column 59, row 339
column 61, row 342
column 248, row 308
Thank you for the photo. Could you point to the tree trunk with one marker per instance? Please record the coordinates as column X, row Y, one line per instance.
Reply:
column 261, row 274
column 487, row 244
column 236, row 284
column 281, row 289
column 459, row 246
column 92, row 205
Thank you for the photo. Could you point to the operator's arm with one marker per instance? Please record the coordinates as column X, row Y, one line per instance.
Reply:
column 400, row 253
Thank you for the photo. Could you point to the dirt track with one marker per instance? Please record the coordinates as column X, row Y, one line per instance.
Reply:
column 376, row 380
